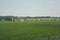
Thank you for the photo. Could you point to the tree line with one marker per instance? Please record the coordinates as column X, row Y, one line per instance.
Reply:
column 9, row 18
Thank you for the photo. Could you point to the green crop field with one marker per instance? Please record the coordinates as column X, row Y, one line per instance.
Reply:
column 47, row 30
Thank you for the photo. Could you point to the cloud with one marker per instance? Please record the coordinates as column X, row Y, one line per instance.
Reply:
column 54, row 7
column 37, row 7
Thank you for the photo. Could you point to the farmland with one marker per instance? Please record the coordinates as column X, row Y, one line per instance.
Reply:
column 47, row 30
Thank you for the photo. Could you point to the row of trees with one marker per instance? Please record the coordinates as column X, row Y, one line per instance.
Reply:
column 9, row 18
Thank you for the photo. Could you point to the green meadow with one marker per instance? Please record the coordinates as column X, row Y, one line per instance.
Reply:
column 47, row 30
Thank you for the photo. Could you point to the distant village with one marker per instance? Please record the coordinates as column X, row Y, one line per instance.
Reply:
column 28, row 18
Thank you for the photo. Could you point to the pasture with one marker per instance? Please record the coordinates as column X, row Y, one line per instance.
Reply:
column 47, row 30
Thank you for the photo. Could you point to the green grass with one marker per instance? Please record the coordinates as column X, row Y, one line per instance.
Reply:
column 29, row 30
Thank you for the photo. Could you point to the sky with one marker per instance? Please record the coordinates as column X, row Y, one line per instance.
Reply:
column 29, row 7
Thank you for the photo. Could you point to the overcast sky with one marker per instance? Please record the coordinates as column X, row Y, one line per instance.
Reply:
column 30, row 7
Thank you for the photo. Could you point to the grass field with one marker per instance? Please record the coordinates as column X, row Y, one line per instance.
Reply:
column 49, row 30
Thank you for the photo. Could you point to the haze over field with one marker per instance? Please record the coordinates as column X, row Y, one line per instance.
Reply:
column 30, row 7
